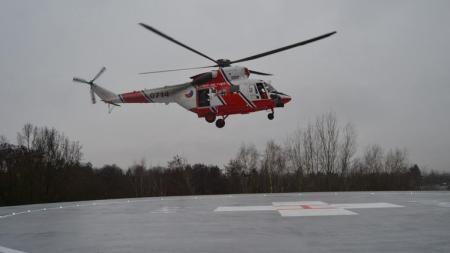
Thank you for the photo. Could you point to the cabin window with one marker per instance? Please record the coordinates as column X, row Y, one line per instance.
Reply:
column 203, row 97
column 262, row 90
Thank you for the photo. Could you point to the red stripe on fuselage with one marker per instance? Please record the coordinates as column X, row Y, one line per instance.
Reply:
column 134, row 97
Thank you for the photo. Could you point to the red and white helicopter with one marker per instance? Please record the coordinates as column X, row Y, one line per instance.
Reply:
column 214, row 94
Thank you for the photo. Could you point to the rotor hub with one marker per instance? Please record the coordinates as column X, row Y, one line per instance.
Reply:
column 223, row 62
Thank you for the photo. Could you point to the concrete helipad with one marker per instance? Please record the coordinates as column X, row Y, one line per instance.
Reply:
column 295, row 222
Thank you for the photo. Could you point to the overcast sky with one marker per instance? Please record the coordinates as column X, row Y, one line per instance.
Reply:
column 386, row 71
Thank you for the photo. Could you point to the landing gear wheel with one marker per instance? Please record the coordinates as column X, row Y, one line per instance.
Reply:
column 270, row 116
column 210, row 118
column 220, row 123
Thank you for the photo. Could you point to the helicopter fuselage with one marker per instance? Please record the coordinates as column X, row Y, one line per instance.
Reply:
column 226, row 91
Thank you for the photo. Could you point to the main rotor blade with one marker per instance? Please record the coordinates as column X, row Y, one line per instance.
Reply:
column 172, row 70
column 79, row 80
column 99, row 73
column 176, row 42
column 259, row 73
column 284, row 48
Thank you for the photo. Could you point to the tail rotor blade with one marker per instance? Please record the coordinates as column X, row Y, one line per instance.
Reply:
column 80, row 80
column 99, row 73
column 92, row 96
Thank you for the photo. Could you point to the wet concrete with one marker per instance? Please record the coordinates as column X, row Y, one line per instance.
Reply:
column 393, row 222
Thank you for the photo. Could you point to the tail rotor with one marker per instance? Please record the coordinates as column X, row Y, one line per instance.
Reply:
column 98, row 74
column 90, row 83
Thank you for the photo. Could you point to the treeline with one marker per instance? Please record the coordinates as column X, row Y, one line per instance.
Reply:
column 321, row 157
column 45, row 166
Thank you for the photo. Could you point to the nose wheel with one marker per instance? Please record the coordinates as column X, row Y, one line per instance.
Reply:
column 220, row 123
column 271, row 115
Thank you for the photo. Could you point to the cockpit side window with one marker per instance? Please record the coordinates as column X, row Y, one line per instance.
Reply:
column 269, row 87
column 262, row 90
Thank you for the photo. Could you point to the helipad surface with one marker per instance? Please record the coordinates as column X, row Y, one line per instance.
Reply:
column 305, row 222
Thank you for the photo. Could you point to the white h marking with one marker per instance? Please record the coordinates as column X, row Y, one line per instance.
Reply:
column 307, row 208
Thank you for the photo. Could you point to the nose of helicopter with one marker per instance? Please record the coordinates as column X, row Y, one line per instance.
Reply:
column 285, row 98
column 280, row 99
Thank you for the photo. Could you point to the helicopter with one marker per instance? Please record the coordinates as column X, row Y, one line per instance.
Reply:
column 213, row 95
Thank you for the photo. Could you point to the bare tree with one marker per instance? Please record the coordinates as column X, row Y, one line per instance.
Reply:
column 137, row 175
column 293, row 150
column 347, row 148
column 396, row 161
column 327, row 134
column 373, row 159
column 177, row 162
column 24, row 138
column 274, row 163
column 309, row 150
column 58, row 149
column 248, row 158
column 3, row 140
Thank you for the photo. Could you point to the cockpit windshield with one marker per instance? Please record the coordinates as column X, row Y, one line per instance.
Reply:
column 269, row 87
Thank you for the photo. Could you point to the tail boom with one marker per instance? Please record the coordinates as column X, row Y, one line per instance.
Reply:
column 166, row 94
